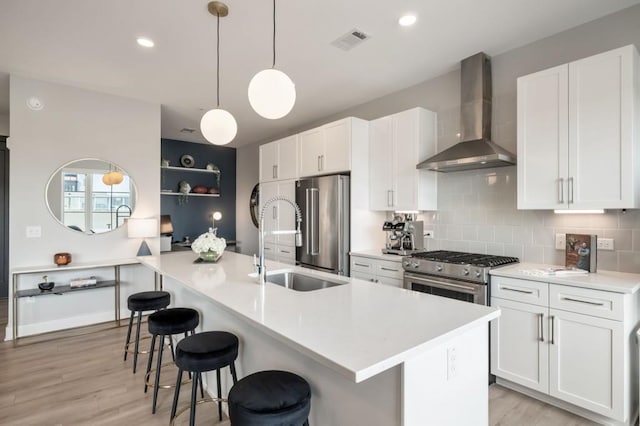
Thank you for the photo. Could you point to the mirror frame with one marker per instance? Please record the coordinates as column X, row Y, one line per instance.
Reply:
column 62, row 167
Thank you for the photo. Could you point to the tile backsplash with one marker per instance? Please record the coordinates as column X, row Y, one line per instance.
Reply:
column 477, row 213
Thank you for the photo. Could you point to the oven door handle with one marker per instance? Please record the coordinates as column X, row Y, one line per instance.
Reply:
column 421, row 280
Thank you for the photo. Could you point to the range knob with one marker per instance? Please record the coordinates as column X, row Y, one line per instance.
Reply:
column 439, row 268
column 465, row 271
column 478, row 273
column 415, row 264
column 407, row 263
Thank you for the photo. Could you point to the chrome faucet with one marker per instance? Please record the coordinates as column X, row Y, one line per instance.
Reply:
column 262, row 272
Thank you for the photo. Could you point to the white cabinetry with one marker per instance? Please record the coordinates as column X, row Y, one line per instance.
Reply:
column 577, row 136
column 278, row 160
column 397, row 143
column 326, row 149
column 377, row 270
column 570, row 343
column 279, row 216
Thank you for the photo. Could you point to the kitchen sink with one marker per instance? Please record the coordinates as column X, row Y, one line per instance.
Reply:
column 299, row 282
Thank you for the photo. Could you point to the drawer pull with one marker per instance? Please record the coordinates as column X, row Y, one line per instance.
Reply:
column 389, row 269
column 553, row 329
column 517, row 290
column 569, row 299
column 541, row 327
column 284, row 251
column 362, row 264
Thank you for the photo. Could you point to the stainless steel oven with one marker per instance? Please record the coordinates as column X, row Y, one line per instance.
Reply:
column 451, row 288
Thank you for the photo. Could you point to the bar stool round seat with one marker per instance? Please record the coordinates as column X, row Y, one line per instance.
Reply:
column 270, row 398
column 139, row 303
column 202, row 352
column 167, row 322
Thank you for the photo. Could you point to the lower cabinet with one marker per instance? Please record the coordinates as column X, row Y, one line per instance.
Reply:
column 578, row 354
column 280, row 253
column 380, row 271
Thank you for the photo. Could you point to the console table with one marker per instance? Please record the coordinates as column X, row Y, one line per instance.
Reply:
column 115, row 283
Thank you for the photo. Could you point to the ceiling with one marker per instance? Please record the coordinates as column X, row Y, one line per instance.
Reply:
column 91, row 44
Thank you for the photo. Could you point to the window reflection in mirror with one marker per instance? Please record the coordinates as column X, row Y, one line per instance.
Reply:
column 85, row 196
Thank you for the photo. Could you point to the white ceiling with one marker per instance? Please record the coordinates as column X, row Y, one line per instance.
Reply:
column 91, row 44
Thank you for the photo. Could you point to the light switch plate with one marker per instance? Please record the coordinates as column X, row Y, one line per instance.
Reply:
column 561, row 241
column 33, row 232
column 606, row 244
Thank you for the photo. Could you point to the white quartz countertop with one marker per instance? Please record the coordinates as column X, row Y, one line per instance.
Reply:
column 618, row 282
column 377, row 254
column 357, row 329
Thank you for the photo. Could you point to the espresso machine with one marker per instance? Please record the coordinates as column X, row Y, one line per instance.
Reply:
column 404, row 235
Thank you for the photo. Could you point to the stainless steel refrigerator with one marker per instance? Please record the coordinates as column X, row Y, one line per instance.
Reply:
column 324, row 202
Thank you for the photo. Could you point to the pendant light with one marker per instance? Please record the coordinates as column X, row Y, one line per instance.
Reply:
column 272, row 94
column 218, row 125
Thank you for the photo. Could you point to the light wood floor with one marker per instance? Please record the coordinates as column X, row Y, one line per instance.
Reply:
column 82, row 380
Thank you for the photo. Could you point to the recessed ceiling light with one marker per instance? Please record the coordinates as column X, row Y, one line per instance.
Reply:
column 407, row 20
column 145, row 42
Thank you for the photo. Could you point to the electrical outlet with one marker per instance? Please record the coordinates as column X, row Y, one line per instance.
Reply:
column 452, row 362
column 33, row 232
column 429, row 233
column 561, row 241
column 605, row 244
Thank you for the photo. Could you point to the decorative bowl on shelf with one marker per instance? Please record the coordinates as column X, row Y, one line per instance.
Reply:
column 62, row 259
column 45, row 285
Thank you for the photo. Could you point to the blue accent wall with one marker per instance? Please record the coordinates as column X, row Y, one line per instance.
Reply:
column 194, row 216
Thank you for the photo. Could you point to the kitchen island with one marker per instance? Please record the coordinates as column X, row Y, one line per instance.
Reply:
column 372, row 354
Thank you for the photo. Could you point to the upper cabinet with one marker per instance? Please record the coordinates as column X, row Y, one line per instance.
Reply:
column 577, row 136
column 278, row 160
column 326, row 149
column 397, row 143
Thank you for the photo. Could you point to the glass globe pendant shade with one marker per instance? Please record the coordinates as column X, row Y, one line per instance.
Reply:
column 272, row 94
column 218, row 126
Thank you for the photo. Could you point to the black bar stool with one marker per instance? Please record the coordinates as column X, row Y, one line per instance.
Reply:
column 141, row 302
column 197, row 354
column 167, row 322
column 270, row 398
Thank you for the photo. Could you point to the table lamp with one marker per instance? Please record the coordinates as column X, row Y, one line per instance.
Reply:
column 142, row 228
column 215, row 216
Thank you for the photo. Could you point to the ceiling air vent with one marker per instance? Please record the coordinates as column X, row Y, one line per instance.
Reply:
column 351, row 39
column 187, row 130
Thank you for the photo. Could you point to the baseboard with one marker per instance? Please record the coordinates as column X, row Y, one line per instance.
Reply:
column 59, row 324
column 590, row 415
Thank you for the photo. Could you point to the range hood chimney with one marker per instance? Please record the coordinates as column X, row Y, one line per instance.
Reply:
column 476, row 151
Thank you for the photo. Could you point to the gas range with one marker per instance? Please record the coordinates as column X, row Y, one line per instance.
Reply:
column 470, row 267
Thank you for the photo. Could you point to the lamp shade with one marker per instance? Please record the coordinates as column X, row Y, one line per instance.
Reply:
column 166, row 226
column 142, row 228
column 272, row 94
column 218, row 126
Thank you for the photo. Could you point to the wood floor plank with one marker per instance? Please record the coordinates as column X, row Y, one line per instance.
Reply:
column 60, row 379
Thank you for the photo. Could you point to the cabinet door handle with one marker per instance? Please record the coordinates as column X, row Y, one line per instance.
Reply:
column 322, row 162
column 275, row 214
column 274, row 171
column 553, row 330
column 361, row 264
column 569, row 299
column 389, row 198
column 517, row 290
column 561, row 190
column 570, row 190
column 319, row 166
column 388, row 269
column 541, row 327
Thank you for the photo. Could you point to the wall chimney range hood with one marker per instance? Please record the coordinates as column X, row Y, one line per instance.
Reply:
column 476, row 151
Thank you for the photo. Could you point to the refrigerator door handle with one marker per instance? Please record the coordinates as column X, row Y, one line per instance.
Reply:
column 312, row 219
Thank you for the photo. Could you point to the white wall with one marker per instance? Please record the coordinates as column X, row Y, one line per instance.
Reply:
column 4, row 125
column 73, row 124
column 247, row 176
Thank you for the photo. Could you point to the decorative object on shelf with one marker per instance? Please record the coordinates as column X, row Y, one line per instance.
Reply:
column 214, row 190
column 62, row 259
column 83, row 282
column 187, row 161
column 46, row 285
column 581, row 252
column 199, row 189
column 212, row 167
column 271, row 92
column 218, row 125
column 142, row 228
column 208, row 246
column 184, row 189
column 215, row 216
column 164, row 163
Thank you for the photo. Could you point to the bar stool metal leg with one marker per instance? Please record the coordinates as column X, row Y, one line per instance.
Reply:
column 176, row 394
column 150, row 363
column 157, row 383
column 233, row 372
column 126, row 345
column 137, row 345
column 194, row 391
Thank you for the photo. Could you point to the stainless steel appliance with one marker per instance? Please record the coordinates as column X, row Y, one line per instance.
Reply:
column 324, row 202
column 404, row 235
column 462, row 276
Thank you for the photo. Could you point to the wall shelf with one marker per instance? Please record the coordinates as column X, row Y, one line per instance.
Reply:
column 190, row 194
column 190, row 169
column 59, row 290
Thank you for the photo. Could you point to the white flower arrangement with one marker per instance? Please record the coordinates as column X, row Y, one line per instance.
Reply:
column 209, row 242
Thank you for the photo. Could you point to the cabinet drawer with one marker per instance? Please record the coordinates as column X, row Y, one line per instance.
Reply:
column 270, row 251
column 285, row 252
column 534, row 292
column 387, row 268
column 363, row 276
column 586, row 301
column 393, row 282
column 363, row 264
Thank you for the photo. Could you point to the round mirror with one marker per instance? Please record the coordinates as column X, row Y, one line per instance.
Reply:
column 91, row 196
